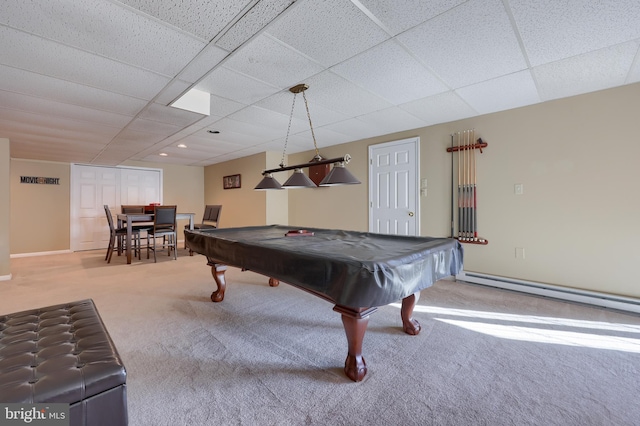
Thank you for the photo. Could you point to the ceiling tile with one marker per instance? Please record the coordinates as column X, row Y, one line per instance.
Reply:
column 268, row 60
column 46, row 124
column 516, row 90
column 440, row 108
column 41, row 56
column 391, row 120
column 229, row 84
column 468, row 44
column 51, row 108
column 249, row 129
column 19, row 81
column 167, row 114
column 328, row 31
column 392, row 73
column 153, row 127
column 252, row 22
column 282, row 102
column 269, row 118
column 354, row 128
column 202, row 18
column 586, row 73
column 334, row 92
column 398, row 16
column 124, row 36
column 205, row 61
column 553, row 30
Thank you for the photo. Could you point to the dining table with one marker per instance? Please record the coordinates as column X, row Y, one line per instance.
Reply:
column 129, row 219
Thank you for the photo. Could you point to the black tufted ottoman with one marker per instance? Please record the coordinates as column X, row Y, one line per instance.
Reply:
column 63, row 354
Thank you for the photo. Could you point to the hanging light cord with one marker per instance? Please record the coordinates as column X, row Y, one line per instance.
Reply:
column 286, row 140
column 313, row 135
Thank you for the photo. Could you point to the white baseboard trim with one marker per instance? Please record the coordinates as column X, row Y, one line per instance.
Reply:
column 621, row 303
column 5, row 277
column 40, row 253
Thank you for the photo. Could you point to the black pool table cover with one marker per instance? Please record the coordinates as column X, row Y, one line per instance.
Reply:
column 353, row 269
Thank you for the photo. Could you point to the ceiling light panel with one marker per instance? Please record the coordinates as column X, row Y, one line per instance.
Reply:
column 204, row 19
column 391, row 72
column 128, row 37
column 270, row 61
column 42, row 56
column 328, row 31
column 468, row 44
column 252, row 22
column 398, row 16
column 553, row 30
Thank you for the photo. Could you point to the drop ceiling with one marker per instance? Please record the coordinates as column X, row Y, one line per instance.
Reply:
column 90, row 81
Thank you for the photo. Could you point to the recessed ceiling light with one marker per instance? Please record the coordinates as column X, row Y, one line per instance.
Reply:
column 163, row 154
column 182, row 145
column 215, row 132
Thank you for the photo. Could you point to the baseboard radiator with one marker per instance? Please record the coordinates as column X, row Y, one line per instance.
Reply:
column 557, row 292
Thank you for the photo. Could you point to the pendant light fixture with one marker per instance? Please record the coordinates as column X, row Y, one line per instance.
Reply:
column 339, row 175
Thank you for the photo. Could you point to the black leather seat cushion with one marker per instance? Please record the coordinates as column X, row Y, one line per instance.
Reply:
column 62, row 353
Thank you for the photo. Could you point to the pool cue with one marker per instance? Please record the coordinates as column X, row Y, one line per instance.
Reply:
column 475, row 190
column 459, row 190
column 464, row 186
column 452, row 190
column 468, row 181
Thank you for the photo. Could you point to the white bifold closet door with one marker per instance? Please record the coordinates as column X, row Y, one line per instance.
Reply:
column 94, row 186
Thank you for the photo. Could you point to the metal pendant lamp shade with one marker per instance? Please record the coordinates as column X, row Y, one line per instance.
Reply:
column 268, row 182
column 339, row 175
column 299, row 180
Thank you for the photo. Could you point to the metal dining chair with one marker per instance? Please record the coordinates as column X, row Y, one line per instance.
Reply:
column 164, row 226
column 118, row 235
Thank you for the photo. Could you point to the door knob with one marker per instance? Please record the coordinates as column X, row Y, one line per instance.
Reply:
column 411, row 214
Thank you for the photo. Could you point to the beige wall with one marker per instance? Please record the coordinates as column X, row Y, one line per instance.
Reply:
column 5, row 210
column 40, row 213
column 244, row 206
column 578, row 161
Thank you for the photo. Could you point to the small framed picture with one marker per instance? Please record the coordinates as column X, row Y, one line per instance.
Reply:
column 230, row 182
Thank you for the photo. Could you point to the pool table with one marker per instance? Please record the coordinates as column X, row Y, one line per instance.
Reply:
column 356, row 271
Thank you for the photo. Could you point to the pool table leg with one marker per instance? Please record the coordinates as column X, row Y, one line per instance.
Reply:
column 410, row 325
column 218, row 270
column 355, row 323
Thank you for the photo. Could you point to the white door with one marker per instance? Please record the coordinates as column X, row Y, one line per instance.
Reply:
column 92, row 188
column 95, row 186
column 139, row 186
column 393, row 187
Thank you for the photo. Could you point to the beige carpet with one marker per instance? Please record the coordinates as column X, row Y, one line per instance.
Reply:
column 274, row 356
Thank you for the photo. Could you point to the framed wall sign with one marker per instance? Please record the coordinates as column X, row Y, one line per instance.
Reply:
column 230, row 182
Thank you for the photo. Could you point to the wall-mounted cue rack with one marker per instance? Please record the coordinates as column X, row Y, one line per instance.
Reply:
column 465, row 193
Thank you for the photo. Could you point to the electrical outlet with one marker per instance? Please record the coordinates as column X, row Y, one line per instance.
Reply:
column 518, row 189
column 519, row 252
